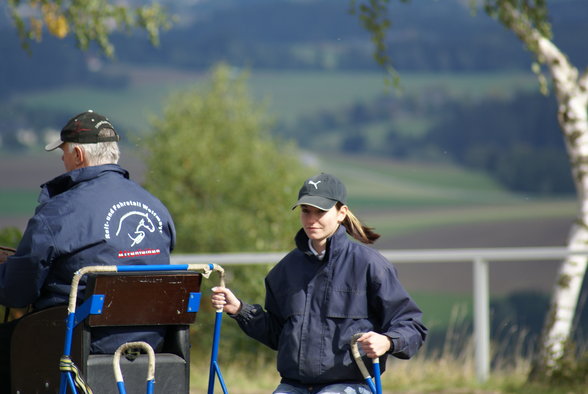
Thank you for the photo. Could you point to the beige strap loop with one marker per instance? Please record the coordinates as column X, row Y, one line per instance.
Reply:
column 133, row 345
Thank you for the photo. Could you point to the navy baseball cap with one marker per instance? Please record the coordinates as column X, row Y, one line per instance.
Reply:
column 86, row 128
column 322, row 191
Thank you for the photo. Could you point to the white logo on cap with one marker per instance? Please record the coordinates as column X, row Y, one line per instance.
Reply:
column 315, row 184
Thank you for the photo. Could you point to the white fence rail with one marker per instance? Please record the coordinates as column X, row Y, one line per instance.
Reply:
column 479, row 258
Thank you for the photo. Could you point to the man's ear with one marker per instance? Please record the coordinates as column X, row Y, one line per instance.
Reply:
column 80, row 157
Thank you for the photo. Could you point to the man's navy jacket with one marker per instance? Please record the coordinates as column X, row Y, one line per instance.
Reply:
column 90, row 216
column 313, row 308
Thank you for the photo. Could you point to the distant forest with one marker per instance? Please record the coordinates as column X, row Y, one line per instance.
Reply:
column 518, row 142
column 515, row 139
column 426, row 36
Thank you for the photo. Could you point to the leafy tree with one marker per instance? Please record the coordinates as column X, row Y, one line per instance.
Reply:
column 227, row 184
column 529, row 20
column 10, row 236
column 89, row 21
column 212, row 161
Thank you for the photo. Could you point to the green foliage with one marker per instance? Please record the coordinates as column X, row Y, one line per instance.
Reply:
column 570, row 375
column 373, row 16
column 572, row 371
column 10, row 236
column 508, row 13
column 520, row 16
column 88, row 21
column 227, row 184
column 527, row 19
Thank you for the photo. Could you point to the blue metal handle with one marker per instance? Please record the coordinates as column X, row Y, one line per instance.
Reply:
column 154, row 267
column 376, row 363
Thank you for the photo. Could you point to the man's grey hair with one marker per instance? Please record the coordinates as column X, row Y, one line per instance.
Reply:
column 101, row 152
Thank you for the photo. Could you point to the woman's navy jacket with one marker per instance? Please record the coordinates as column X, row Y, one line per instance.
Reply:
column 313, row 308
column 90, row 216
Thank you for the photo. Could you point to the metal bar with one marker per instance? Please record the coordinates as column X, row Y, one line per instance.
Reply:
column 399, row 256
column 214, row 354
column 155, row 267
column 220, row 378
column 66, row 376
column 377, row 378
column 481, row 319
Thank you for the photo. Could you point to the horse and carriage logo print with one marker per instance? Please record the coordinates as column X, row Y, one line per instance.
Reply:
column 134, row 222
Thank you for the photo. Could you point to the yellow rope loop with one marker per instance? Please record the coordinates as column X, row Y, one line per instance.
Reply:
column 208, row 269
column 67, row 365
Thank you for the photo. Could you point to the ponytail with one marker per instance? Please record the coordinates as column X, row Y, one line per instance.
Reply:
column 357, row 229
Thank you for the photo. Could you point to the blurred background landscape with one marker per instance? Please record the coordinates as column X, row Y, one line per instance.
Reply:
column 466, row 154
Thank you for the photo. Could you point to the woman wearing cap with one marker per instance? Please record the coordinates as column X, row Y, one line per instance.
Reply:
column 322, row 293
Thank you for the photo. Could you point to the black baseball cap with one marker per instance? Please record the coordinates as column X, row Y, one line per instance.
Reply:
column 86, row 128
column 322, row 191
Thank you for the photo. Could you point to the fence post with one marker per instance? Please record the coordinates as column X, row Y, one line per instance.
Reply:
column 481, row 319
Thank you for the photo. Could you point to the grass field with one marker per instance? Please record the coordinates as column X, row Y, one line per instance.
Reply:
column 395, row 197
column 400, row 197
column 288, row 94
column 17, row 202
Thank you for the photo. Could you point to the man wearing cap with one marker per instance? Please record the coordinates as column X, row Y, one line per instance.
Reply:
column 92, row 214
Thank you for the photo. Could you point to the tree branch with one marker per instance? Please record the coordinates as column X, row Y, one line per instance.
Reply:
column 88, row 21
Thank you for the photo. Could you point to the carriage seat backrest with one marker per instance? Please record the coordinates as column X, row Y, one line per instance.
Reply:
column 167, row 298
column 133, row 299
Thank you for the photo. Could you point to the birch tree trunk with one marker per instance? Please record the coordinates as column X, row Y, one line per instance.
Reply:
column 572, row 97
column 571, row 91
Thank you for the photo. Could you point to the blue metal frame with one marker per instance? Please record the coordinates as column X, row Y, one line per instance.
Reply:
column 214, row 368
column 375, row 384
column 377, row 373
column 94, row 305
column 123, row 390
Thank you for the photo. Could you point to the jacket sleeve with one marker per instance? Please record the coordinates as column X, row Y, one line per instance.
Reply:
column 398, row 315
column 23, row 274
column 261, row 325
